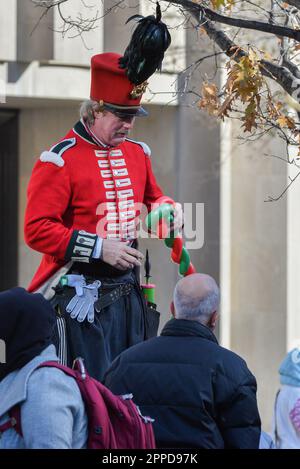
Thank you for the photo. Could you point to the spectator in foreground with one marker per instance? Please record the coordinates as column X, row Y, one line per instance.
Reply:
column 48, row 402
column 200, row 394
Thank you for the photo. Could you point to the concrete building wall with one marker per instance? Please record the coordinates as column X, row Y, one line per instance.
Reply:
column 293, row 259
column 198, row 159
column 116, row 34
column 34, row 33
column 258, row 264
column 8, row 30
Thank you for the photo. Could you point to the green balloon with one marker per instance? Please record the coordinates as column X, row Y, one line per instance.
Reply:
column 184, row 261
column 166, row 212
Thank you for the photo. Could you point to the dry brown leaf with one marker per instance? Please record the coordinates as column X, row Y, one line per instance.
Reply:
column 209, row 100
column 226, row 107
column 286, row 121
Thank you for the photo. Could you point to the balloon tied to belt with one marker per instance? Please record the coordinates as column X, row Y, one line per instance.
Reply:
column 159, row 221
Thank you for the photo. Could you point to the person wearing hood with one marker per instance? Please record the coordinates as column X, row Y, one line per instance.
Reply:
column 286, row 418
column 48, row 402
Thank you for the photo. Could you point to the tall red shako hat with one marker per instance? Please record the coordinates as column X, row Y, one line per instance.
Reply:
column 118, row 82
column 111, row 87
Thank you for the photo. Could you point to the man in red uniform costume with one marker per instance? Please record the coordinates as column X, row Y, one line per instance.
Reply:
column 81, row 214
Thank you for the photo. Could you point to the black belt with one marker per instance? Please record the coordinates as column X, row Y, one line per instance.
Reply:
column 113, row 296
column 96, row 269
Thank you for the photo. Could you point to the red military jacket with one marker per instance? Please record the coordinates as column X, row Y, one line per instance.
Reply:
column 79, row 190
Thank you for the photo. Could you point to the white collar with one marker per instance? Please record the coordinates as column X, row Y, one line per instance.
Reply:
column 92, row 134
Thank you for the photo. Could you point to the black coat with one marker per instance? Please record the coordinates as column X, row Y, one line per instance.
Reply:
column 200, row 394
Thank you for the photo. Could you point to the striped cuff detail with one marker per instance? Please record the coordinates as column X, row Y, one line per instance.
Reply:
column 81, row 246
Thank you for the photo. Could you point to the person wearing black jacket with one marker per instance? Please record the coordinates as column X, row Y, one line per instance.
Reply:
column 200, row 394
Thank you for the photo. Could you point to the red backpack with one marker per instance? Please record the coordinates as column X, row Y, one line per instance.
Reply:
column 114, row 422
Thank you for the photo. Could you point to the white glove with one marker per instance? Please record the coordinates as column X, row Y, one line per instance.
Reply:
column 76, row 281
column 81, row 305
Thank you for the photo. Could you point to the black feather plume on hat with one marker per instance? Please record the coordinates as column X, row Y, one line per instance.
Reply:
column 145, row 52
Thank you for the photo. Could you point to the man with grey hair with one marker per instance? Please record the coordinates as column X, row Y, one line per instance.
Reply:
column 200, row 394
column 85, row 197
column 197, row 304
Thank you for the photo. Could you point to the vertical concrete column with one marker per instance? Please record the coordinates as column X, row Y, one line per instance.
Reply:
column 293, row 261
column 225, row 233
column 197, row 159
column 34, row 34
column 116, row 33
column 258, row 262
column 8, row 30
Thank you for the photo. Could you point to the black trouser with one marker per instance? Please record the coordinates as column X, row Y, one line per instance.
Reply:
column 116, row 327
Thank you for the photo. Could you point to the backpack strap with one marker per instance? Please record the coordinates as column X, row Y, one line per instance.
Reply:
column 13, row 422
column 276, row 435
column 68, row 371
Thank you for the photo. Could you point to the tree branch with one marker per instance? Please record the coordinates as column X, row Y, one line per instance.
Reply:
column 280, row 74
column 200, row 12
column 275, row 199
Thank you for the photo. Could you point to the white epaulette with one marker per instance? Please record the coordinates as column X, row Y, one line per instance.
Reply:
column 144, row 146
column 54, row 155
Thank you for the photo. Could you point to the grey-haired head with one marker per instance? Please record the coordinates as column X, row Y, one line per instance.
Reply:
column 197, row 298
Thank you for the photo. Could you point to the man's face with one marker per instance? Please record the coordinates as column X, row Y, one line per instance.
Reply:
column 112, row 129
